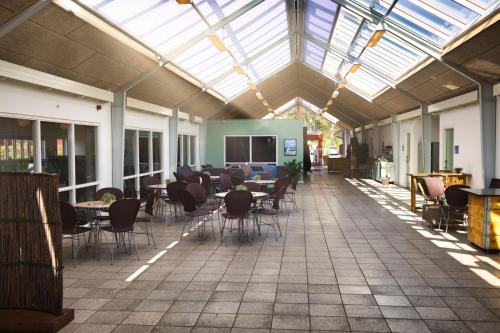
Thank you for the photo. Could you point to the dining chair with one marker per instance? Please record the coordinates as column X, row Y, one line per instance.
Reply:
column 291, row 193
column 271, row 211
column 71, row 229
column 225, row 182
column 253, row 186
column 173, row 197
column 456, row 203
column 235, row 180
column 122, row 216
column 237, row 205
column 146, row 216
column 495, row 183
column 281, row 182
column 194, row 212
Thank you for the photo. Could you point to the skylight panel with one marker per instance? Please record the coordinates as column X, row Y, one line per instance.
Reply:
column 215, row 11
column 270, row 61
column 313, row 54
column 345, row 30
column 365, row 82
column 231, row 86
column 330, row 118
column 258, row 28
column 204, row 61
column 332, row 65
column 319, row 17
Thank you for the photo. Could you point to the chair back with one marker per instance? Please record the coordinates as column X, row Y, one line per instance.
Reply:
column 172, row 191
column 151, row 202
column 236, row 180
column 188, row 201
column 238, row 203
column 185, row 171
column 280, row 193
column 68, row 217
column 225, row 182
column 281, row 182
column 150, row 180
column 495, row 183
column 456, row 197
column 434, row 186
column 198, row 192
column 113, row 190
column 206, row 181
column 122, row 214
column 294, row 181
column 194, row 179
column 253, row 186
column 265, row 175
column 177, row 177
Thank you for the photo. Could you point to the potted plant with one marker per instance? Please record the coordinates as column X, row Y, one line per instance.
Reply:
column 240, row 188
column 256, row 177
column 458, row 170
column 293, row 168
column 108, row 198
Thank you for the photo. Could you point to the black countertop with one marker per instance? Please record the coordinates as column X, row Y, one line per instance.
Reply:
column 484, row 192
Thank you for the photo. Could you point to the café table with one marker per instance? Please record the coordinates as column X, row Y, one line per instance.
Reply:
column 158, row 187
column 256, row 195
column 96, row 206
column 262, row 181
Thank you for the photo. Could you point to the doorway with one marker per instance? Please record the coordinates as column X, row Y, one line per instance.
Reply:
column 407, row 156
column 448, row 149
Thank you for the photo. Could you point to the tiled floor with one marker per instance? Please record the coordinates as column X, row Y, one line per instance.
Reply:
column 353, row 258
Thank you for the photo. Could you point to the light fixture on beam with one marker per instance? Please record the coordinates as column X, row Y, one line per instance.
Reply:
column 265, row 103
column 342, row 84
column 330, row 102
column 335, row 94
column 238, row 69
column 219, row 45
column 259, row 95
column 338, row 76
column 183, row 2
column 377, row 35
column 270, row 109
column 252, row 86
column 355, row 66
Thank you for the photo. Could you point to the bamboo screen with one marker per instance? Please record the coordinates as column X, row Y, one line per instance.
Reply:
column 30, row 243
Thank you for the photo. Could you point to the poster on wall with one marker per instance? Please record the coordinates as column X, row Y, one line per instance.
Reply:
column 290, row 147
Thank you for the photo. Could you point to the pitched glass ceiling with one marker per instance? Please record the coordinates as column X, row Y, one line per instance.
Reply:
column 433, row 23
column 298, row 100
column 255, row 33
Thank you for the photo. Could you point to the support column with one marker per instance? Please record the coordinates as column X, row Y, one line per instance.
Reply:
column 426, row 121
column 488, row 131
column 117, row 131
column 376, row 139
column 203, row 142
column 395, row 148
column 172, row 149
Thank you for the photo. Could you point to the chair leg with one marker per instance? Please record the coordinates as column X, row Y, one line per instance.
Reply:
column 135, row 244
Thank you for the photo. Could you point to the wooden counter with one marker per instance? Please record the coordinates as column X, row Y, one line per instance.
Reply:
column 337, row 164
column 484, row 218
column 449, row 179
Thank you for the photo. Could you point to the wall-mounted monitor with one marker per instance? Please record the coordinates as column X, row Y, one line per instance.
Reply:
column 251, row 149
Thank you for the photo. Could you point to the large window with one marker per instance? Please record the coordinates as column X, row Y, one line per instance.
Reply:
column 16, row 145
column 142, row 157
column 250, row 149
column 186, row 150
column 65, row 149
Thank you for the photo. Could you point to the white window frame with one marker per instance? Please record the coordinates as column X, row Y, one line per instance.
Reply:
column 137, row 176
column 191, row 137
column 250, row 136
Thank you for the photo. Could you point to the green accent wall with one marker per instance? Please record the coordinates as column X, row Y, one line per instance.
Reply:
column 283, row 129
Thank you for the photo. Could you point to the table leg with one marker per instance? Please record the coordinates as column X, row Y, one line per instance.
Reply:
column 413, row 193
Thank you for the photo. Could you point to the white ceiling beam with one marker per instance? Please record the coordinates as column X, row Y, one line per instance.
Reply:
column 22, row 16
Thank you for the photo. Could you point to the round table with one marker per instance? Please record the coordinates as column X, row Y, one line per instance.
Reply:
column 262, row 181
column 256, row 195
column 158, row 187
column 214, row 177
column 94, row 205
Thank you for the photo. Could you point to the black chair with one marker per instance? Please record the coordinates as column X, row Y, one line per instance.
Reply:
column 122, row 216
column 146, row 216
column 173, row 198
column 194, row 179
column 291, row 194
column 70, row 227
column 271, row 212
column 225, row 182
column 238, row 205
column 281, row 182
column 236, row 181
column 495, row 183
column 185, row 171
column 193, row 212
column 456, row 203
column 253, row 186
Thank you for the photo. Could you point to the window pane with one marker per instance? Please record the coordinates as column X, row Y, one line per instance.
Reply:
column 85, row 149
column 193, row 151
column 55, row 150
column 179, row 147
column 64, row 196
column 156, row 151
column 185, row 147
column 143, row 151
column 86, row 194
column 129, row 188
column 129, row 156
column 263, row 149
column 237, row 149
column 16, row 145
column 143, row 191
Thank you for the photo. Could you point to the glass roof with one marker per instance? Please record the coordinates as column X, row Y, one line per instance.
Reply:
column 308, row 105
column 257, row 39
column 432, row 22
column 255, row 34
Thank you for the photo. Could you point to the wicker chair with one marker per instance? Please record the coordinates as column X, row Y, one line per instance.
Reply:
column 173, row 198
column 70, row 227
column 271, row 212
column 193, row 212
column 238, row 205
column 456, row 203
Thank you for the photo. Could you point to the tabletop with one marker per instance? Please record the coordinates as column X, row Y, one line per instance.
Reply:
column 262, row 181
column 256, row 195
column 158, row 187
column 483, row 192
column 93, row 205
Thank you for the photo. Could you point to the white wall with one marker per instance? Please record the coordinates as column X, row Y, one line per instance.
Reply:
column 497, row 162
column 466, row 123
column 26, row 101
column 386, row 135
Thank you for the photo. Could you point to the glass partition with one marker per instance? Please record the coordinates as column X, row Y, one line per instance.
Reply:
column 16, row 145
column 129, row 155
column 55, row 155
column 85, row 154
column 156, row 151
column 143, row 151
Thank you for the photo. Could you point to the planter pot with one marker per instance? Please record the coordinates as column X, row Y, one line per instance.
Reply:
column 385, row 180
